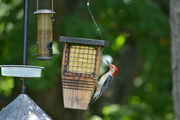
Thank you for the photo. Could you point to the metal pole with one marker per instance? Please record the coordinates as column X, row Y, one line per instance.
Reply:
column 25, row 41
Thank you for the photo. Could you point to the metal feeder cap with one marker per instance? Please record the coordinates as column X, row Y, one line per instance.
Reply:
column 44, row 11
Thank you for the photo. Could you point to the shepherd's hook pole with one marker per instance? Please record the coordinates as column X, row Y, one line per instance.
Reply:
column 25, row 42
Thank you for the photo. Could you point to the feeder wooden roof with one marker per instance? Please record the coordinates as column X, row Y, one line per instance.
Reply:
column 84, row 41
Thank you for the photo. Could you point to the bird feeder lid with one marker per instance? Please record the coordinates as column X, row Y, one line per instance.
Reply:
column 21, row 70
column 84, row 41
column 44, row 11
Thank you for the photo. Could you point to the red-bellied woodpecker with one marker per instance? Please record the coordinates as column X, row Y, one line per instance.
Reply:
column 104, row 82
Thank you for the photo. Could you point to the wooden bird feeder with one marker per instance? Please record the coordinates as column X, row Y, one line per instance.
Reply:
column 80, row 70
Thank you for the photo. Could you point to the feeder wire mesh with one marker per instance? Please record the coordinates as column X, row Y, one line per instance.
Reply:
column 80, row 61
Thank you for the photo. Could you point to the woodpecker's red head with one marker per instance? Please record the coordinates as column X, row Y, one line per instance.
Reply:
column 113, row 68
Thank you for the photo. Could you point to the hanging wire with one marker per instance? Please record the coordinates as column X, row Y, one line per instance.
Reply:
column 88, row 4
column 37, row 4
column 76, row 22
column 89, row 10
column 51, row 6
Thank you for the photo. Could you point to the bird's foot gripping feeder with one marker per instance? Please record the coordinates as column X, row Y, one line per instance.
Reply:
column 80, row 65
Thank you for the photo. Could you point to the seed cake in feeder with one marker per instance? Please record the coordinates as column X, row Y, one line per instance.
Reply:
column 82, row 59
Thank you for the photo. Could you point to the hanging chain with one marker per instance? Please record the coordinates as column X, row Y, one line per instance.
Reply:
column 51, row 6
column 88, row 8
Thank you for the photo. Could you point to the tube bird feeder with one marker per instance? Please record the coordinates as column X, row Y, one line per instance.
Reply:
column 80, row 70
column 44, row 33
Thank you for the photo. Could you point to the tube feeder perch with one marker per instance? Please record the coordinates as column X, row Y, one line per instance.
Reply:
column 44, row 33
column 80, row 70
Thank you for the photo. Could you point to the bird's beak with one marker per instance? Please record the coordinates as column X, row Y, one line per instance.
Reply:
column 107, row 62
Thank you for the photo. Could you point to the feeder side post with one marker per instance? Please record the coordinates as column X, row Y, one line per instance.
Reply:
column 63, row 58
column 98, row 64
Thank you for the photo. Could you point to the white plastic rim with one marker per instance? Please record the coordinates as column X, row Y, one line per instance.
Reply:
column 21, row 70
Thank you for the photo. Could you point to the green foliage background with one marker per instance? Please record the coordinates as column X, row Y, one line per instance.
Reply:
column 142, row 20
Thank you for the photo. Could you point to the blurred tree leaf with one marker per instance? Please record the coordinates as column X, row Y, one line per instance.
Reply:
column 6, row 85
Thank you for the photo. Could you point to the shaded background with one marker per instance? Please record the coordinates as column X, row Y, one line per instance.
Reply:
column 139, row 36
